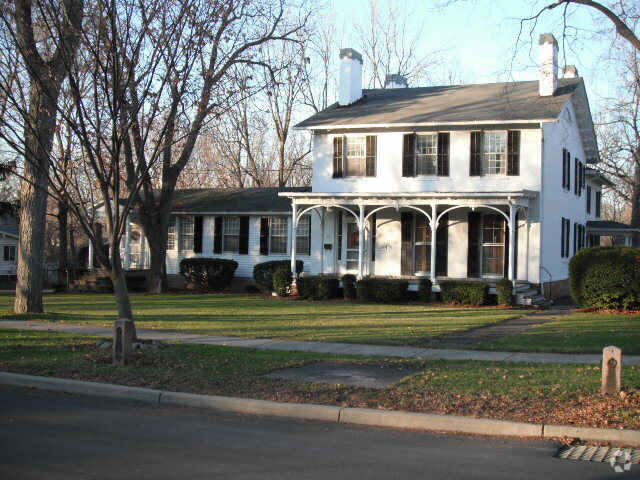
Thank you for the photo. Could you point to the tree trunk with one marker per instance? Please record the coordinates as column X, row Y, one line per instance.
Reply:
column 156, row 231
column 33, row 200
column 63, row 235
column 635, row 206
column 123, row 302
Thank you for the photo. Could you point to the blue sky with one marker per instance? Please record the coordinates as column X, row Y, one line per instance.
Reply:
column 480, row 35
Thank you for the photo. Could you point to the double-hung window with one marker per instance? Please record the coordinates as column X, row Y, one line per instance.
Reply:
column 303, row 235
column 231, row 234
column 171, row 234
column 9, row 253
column 185, row 239
column 494, row 159
column 356, row 156
column 278, row 235
column 427, row 154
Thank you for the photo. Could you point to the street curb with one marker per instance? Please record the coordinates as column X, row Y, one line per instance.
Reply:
column 358, row 416
column 448, row 423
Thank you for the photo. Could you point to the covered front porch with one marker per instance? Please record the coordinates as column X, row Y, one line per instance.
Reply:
column 474, row 235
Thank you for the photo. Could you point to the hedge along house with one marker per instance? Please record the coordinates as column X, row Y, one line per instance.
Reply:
column 465, row 182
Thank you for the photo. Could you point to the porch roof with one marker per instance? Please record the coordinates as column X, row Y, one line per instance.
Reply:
column 609, row 227
column 521, row 197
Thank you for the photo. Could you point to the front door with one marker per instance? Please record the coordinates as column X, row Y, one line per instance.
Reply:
column 493, row 245
column 352, row 241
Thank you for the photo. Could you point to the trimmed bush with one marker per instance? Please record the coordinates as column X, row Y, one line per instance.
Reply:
column 208, row 273
column 318, row 288
column 349, row 286
column 504, row 288
column 606, row 277
column 424, row 289
column 382, row 290
column 464, row 293
column 282, row 279
column 263, row 272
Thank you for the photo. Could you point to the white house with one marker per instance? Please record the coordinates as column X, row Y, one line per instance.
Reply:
column 8, row 252
column 466, row 182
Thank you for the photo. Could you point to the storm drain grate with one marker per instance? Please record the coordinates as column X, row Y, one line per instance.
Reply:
column 612, row 455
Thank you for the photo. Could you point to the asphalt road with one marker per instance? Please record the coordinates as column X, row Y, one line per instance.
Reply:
column 56, row 436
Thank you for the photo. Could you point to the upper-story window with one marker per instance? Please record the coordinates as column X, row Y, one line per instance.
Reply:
column 494, row 159
column 355, row 164
column 495, row 153
column 354, row 156
column 425, row 154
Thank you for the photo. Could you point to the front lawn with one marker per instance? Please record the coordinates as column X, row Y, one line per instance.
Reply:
column 257, row 316
column 541, row 393
column 576, row 333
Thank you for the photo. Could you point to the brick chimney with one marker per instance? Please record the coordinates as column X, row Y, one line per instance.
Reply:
column 395, row 81
column 350, row 88
column 548, row 64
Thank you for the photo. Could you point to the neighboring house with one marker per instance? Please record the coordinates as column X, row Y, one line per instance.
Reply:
column 8, row 252
column 458, row 182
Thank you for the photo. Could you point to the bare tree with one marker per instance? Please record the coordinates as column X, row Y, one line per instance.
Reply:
column 391, row 47
column 41, row 61
column 217, row 40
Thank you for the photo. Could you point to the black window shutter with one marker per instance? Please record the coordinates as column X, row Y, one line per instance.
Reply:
column 243, row 247
column 576, row 186
column 371, row 147
column 197, row 234
column 564, row 170
column 264, row 236
column 562, row 240
column 475, row 158
column 308, row 238
column 409, row 155
column 406, row 242
column 338, row 157
column 217, row 235
column 575, row 237
column 568, row 171
column 588, row 199
column 513, row 152
column 443, row 154
column 473, row 254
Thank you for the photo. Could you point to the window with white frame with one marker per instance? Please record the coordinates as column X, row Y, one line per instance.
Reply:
column 231, row 234
column 494, row 156
column 356, row 156
column 171, row 234
column 277, row 235
column 303, row 233
column 427, row 154
column 9, row 253
column 185, row 239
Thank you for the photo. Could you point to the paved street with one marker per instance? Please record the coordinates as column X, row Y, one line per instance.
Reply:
column 56, row 436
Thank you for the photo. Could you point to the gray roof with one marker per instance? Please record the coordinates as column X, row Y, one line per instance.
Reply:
column 233, row 200
column 611, row 225
column 509, row 101
column 9, row 230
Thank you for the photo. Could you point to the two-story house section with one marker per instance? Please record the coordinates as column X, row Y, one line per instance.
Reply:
column 456, row 182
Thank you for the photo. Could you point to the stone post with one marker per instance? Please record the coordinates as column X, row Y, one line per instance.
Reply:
column 611, row 370
column 122, row 341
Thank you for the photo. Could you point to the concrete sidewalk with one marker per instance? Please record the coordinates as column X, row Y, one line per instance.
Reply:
column 321, row 347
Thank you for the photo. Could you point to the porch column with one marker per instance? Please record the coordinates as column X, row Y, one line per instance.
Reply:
column 90, row 257
column 526, row 264
column 360, row 241
column 294, row 227
column 127, row 245
column 434, row 229
column 512, row 236
column 322, row 215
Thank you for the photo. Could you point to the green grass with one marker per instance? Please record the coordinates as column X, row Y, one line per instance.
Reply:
column 256, row 316
column 516, row 391
column 576, row 333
